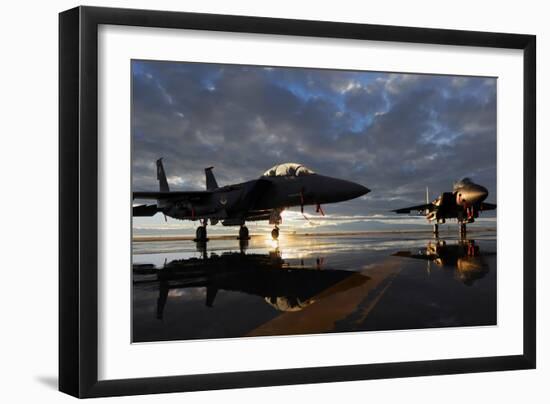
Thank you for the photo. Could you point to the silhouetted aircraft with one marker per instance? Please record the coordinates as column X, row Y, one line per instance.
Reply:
column 464, row 257
column 285, row 287
column 280, row 187
column 464, row 203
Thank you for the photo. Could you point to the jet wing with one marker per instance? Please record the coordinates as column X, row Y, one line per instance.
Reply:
column 171, row 195
column 418, row 208
column 488, row 206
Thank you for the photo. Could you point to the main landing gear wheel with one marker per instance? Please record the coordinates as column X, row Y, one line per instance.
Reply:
column 275, row 233
column 201, row 235
column 243, row 233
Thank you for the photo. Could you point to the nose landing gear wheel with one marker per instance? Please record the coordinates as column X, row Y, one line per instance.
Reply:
column 275, row 233
column 243, row 233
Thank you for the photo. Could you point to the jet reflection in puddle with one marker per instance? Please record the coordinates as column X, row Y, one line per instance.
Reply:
column 464, row 256
column 284, row 286
column 303, row 285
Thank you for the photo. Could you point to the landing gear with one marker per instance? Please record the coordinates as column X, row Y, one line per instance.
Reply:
column 436, row 229
column 275, row 233
column 201, row 234
column 462, row 230
column 243, row 233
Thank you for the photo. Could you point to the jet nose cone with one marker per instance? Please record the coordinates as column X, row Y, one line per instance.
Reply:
column 361, row 190
column 356, row 190
column 473, row 195
column 331, row 190
column 480, row 193
column 484, row 193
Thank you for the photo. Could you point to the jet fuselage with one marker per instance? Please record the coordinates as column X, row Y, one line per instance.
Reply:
column 261, row 199
column 464, row 202
column 282, row 186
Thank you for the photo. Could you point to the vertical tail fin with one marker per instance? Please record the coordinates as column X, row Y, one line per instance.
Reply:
column 161, row 177
column 211, row 182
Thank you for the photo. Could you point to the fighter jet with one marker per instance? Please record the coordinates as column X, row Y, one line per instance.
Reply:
column 280, row 187
column 464, row 203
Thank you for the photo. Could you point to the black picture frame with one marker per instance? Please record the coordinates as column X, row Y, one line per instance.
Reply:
column 78, row 201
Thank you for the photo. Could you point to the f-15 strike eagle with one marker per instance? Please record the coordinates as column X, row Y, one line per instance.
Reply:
column 280, row 187
column 464, row 203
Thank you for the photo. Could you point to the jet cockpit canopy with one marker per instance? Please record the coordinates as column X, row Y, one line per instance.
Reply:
column 288, row 170
column 461, row 183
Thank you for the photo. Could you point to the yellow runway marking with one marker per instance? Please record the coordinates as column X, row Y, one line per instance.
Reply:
column 335, row 303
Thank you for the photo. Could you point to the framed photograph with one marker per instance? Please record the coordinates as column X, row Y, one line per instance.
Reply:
column 251, row 201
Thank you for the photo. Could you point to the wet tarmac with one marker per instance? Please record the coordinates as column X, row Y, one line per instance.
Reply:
column 312, row 284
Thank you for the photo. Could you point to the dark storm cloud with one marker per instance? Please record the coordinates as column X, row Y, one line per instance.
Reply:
column 395, row 133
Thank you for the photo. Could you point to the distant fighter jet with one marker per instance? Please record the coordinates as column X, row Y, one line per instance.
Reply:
column 464, row 204
column 280, row 187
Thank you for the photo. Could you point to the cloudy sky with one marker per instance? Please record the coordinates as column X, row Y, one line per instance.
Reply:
column 394, row 133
